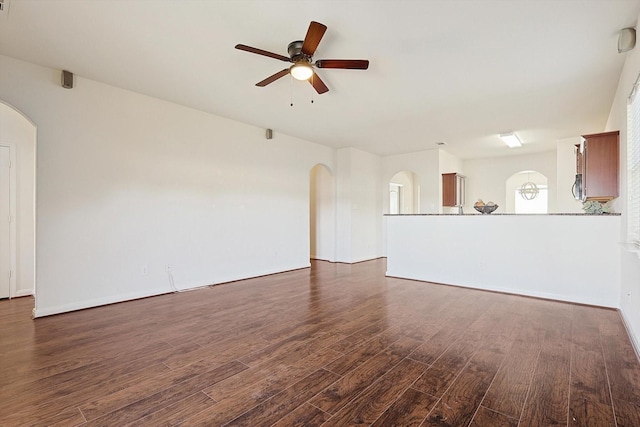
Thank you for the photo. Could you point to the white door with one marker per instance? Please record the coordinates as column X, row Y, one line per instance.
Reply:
column 5, row 241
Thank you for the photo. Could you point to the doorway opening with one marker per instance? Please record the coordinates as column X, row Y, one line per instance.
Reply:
column 404, row 193
column 17, row 188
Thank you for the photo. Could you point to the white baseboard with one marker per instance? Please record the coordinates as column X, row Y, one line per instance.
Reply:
column 182, row 286
column 630, row 332
column 23, row 293
column 246, row 276
column 80, row 305
column 578, row 299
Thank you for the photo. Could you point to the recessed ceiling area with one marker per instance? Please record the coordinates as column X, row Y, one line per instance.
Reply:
column 456, row 71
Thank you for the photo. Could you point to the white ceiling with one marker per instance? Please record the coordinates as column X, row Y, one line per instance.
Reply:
column 460, row 71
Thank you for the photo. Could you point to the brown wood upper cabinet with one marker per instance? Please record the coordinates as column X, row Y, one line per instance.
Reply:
column 599, row 166
column 452, row 189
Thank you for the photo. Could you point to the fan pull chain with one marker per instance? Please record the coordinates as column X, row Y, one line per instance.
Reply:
column 291, row 89
column 291, row 83
column 314, row 87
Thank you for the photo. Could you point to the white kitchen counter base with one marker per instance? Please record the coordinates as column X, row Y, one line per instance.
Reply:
column 573, row 258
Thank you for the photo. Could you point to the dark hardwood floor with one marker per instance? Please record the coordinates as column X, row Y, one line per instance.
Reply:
column 334, row 345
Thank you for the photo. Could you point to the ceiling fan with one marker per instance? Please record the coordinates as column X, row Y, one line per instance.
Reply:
column 301, row 55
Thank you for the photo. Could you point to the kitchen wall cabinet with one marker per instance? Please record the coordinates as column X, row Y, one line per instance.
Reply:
column 600, row 166
column 452, row 189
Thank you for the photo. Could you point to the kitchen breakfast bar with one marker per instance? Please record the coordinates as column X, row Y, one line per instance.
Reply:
column 566, row 257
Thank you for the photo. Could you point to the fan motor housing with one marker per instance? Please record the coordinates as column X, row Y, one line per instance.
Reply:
column 295, row 52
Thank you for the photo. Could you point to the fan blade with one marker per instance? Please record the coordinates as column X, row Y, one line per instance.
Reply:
column 263, row 52
column 312, row 39
column 351, row 64
column 318, row 84
column 273, row 78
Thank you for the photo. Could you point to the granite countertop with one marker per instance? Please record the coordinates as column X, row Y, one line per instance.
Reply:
column 505, row 214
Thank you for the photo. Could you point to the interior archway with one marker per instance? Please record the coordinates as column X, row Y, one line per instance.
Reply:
column 515, row 201
column 404, row 193
column 321, row 213
column 18, row 139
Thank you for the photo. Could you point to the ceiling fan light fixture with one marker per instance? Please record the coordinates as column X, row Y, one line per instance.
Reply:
column 301, row 57
column 511, row 139
column 301, row 71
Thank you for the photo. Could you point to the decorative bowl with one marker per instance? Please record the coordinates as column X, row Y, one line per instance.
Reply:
column 486, row 209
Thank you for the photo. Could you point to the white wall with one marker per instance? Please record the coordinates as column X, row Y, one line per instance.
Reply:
column 322, row 213
column 630, row 262
column 19, row 134
column 564, row 257
column 343, row 205
column 487, row 177
column 128, row 185
column 359, row 219
column 367, row 206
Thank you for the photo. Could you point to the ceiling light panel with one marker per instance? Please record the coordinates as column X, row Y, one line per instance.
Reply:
column 511, row 139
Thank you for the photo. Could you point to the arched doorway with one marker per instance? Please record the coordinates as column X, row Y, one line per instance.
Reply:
column 322, row 213
column 17, row 185
column 404, row 193
column 527, row 201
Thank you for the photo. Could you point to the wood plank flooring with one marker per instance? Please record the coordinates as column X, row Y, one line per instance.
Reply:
column 334, row 345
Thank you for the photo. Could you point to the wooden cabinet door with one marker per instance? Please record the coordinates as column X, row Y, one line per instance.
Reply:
column 452, row 189
column 600, row 160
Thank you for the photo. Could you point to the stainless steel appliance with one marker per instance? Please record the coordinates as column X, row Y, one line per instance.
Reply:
column 576, row 190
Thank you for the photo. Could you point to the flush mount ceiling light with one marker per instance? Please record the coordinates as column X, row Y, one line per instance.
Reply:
column 301, row 70
column 511, row 139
